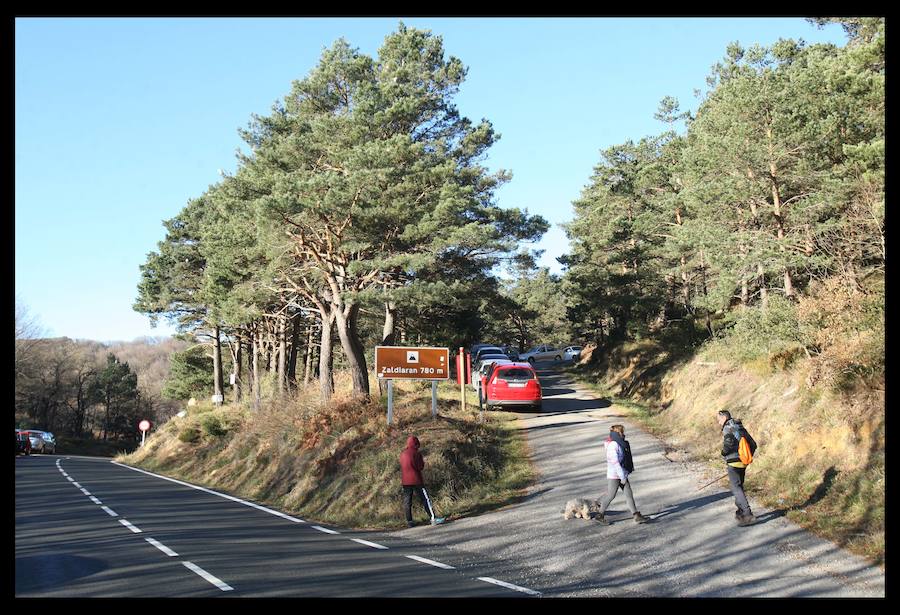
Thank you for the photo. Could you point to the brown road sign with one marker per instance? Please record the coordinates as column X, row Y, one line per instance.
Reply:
column 412, row 362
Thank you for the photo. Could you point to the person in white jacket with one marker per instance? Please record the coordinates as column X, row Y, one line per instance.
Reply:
column 618, row 466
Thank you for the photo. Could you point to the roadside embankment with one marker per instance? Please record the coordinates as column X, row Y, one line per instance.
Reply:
column 339, row 462
column 821, row 451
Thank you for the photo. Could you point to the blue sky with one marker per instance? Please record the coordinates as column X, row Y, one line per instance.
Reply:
column 120, row 121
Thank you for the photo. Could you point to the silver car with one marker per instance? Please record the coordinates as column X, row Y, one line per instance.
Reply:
column 41, row 441
column 484, row 366
column 542, row 353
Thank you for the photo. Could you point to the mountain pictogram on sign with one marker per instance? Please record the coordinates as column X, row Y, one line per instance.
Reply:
column 412, row 356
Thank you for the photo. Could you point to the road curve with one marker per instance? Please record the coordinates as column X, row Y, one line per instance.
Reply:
column 86, row 527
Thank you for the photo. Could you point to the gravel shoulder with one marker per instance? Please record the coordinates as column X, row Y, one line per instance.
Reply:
column 691, row 547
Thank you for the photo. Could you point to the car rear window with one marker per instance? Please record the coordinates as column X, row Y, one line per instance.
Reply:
column 516, row 374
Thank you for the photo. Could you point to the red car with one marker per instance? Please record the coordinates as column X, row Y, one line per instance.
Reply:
column 513, row 384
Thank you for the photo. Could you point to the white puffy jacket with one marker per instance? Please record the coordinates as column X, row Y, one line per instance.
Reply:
column 614, row 457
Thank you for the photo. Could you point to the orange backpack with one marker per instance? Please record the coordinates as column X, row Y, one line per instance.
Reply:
column 744, row 451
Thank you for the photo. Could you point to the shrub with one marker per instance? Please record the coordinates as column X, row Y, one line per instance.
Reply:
column 774, row 334
column 213, row 425
column 189, row 434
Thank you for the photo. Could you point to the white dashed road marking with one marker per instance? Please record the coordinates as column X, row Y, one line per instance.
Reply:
column 96, row 501
column 368, row 544
column 134, row 529
column 111, row 513
column 161, row 547
column 430, row 562
column 218, row 583
column 510, row 586
column 324, row 529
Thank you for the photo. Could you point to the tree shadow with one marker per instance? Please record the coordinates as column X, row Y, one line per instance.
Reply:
column 816, row 496
column 691, row 505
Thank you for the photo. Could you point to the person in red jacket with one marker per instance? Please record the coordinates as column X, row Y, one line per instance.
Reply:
column 411, row 465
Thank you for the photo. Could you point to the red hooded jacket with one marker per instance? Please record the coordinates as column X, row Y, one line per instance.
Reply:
column 411, row 463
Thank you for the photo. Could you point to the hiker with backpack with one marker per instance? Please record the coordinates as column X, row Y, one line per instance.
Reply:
column 411, row 465
column 737, row 449
column 618, row 466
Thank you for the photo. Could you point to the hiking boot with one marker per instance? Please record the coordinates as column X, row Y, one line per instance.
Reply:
column 744, row 521
column 437, row 520
column 639, row 518
column 602, row 520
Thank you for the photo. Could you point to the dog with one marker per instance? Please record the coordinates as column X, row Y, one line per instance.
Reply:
column 580, row 508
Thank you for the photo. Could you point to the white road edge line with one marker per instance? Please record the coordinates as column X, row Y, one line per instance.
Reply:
column 111, row 513
column 131, row 527
column 368, row 544
column 430, row 562
column 221, row 495
column 323, row 529
column 96, row 501
column 218, row 583
column 161, row 547
column 510, row 586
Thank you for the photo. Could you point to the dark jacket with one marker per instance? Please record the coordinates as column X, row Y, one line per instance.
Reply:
column 732, row 431
column 412, row 463
column 627, row 462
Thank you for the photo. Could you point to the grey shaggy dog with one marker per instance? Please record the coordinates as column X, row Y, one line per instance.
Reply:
column 580, row 508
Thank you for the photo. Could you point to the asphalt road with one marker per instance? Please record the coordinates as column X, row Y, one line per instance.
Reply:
column 170, row 539
column 86, row 527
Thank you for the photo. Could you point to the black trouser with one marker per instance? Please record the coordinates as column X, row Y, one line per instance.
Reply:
column 423, row 498
column 736, row 478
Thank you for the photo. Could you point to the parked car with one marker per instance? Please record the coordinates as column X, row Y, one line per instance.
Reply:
column 511, row 352
column 542, row 353
column 571, row 353
column 23, row 444
column 484, row 369
column 41, row 441
column 486, row 350
column 513, row 384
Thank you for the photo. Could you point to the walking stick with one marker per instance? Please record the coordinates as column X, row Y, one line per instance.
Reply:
column 715, row 481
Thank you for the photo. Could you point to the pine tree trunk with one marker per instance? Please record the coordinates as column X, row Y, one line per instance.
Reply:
column 238, row 369
column 217, row 362
column 326, row 378
column 282, row 354
column 308, row 353
column 346, row 321
column 763, row 291
column 296, row 321
column 257, row 394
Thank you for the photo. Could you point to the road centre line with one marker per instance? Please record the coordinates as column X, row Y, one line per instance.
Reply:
column 221, row 495
column 368, row 544
column 161, row 547
column 430, row 562
column 70, row 479
column 131, row 527
column 217, row 582
column 85, row 492
column 510, row 586
column 224, row 587
column 96, row 501
column 76, row 484
column 111, row 513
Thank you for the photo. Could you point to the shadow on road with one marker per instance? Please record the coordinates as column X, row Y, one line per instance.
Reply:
column 46, row 572
column 691, row 504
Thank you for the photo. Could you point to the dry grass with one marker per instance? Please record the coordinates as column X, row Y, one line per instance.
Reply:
column 339, row 462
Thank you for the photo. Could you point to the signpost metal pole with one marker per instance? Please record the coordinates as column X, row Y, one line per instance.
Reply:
column 434, row 399
column 390, row 386
column 143, row 435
